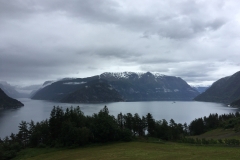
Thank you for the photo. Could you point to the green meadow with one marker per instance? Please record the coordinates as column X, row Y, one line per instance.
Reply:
column 133, row 150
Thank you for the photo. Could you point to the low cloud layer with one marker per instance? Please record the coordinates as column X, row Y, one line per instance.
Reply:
column 196, row 40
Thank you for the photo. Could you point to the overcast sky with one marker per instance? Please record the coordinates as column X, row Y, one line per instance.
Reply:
column 197, row 40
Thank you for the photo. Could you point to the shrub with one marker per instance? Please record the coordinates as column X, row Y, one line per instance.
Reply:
column 41, row 145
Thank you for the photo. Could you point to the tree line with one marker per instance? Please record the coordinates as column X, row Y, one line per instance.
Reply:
column 213, row 121
column 72, row 128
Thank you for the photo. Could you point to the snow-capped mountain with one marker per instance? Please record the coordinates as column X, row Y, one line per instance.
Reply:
column 128, row 75
column 130, row 85
column 149, row 86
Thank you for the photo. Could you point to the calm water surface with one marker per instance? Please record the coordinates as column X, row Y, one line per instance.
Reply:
column 181, row 111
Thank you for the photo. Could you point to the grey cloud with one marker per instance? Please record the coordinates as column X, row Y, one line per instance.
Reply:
column 189, row 70
column 94, row 10
column 216, row 24
column 176, row 26
column 15, row 9
column 26, row 63
column 158, row 60
column 111, row 53
column 191, row 73
column 188, row 27
column 51, row 39
column 152, row 68
column 146, row 35
column 190, row 19
column 119, row 53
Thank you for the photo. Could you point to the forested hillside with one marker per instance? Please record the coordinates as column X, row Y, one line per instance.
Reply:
column 96, row 91
column 225, row 90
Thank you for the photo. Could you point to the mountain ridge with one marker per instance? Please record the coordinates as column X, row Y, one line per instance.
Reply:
column 130, row 85
column 224, row 90
column 125, row 75
column 149, row 87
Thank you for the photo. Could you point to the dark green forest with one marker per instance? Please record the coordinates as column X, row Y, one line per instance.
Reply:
column 71, row 128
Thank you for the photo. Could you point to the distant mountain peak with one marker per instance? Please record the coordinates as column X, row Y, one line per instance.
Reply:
column 126, row 75
column 200, row 85
column 159, row 75
column 121, row 74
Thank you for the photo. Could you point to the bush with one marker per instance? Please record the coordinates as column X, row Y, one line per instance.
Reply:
column 41, row 145
column 232, row 142
column 204, row 141
column 9, row 154
column 15, row 146
column 212, row 141
column 220, row 141
column 198, row 141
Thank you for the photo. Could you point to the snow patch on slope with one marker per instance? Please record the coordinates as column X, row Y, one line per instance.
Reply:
column 126, row 75
column 121, row 75
column 74, row 83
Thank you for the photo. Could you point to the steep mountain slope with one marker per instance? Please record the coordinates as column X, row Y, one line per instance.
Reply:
column 7, row 102
column 55, row 91
column 236, row 103
column 225, row 90
column 94, row 91
column 148, row 87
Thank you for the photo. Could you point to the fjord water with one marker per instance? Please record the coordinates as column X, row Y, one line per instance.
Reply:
column 179, row 111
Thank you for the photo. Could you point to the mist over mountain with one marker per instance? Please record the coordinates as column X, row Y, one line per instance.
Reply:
column 12, row 91
column 130, row 85
column 57, row 90
column 224, row 90
column 201, row 89
column 28, row 89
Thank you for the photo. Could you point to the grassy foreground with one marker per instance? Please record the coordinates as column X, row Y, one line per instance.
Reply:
column 134, row 150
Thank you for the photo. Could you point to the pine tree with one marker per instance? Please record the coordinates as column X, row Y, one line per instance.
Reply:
column 150, row 124
column 23, row 133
